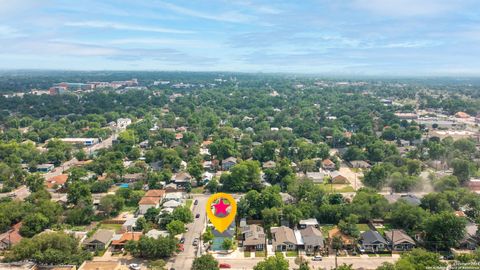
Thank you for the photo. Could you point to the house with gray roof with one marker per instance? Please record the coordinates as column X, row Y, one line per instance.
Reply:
column 398, row 240
column 372, row 241
column 99, row 240
column 313, row 240
column 253, row 237
column 283, row 239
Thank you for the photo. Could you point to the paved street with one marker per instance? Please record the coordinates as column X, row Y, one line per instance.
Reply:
column 184, row 259
column 327, row 263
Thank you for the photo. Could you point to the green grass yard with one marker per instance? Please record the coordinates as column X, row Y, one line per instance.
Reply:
column 293, row 253
column 247, row 254
column 363, row 227
column 260, row 254
column 189, row 203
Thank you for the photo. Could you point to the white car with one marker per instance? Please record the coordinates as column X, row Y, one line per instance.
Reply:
column 317, row 258
column 134, row 266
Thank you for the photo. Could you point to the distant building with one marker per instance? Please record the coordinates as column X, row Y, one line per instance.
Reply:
column 80, row 141
column 99, row 240
column 45, row 167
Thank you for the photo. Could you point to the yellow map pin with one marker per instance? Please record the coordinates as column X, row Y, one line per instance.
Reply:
column 218, row 214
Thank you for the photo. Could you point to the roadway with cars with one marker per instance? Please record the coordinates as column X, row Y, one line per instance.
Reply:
column 184, row 259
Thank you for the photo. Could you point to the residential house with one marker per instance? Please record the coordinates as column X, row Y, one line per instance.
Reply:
column 253, row 237
column 398, row 240
column 313, row 240
column 45, row 168
column 171, row 204
column 133, row 177
column 181, row 178
column 155, row 193
column 99, row 240
column 338, row 178
column 207, row 177
column 327, row 164
column 311, row 222
column 359, row 164
column 148, row 202
column 317, row 177
column 283, row 239
column 129, row 224
column 470, row 239
column 175, row 196
column 56, row 182
column 154, row 233
column 269, row 165
column 372, row 241
column 11, row 237
column 118, row 244
column 228, row 163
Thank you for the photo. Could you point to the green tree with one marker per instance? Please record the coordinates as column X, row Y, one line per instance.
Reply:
column 183, row 214
column 212, row 186
column 33, row 224
column 176, row 227
column 195, row 169
column 419, row 259
column 35, row 182
column 223, row 148
column 461, row 169
column 208, row 235
column 205, row 262
column 349, row 225
column 277, row 262
column 444, row 230
column 227, row 244
column 111, row 205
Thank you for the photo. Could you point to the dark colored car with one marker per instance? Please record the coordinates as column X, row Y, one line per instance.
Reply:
column 197, row 215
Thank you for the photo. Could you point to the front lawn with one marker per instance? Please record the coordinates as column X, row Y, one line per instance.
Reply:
column 260, row 253
column 293, row 253
column 372, row 255
column 197, row 190
column 115, row 227
column 247, row 254
column 385, row 255
column 189, row 203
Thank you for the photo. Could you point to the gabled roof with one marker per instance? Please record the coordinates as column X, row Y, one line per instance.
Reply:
column 149, row 201
column 230, row 159
column 328, row 162
column 103, row 236
column 155, row 193
column 312, row 236
column 254, row 235
column 397, row 237
column 372, row 237
column 283, row 234
column 135, row 236
column 308, row 222
column 181, row 177
column 57, row 180
column 335, row 174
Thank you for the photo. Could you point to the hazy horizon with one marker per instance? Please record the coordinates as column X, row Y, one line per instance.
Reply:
column 402, row 38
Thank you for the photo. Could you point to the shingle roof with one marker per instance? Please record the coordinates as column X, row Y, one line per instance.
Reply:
column 149, row 201
column 312, row 236
column 283, row 235
column 398, row 236
column 254, row 235
column 372, row 237
column 155, row 193
column 101, row 235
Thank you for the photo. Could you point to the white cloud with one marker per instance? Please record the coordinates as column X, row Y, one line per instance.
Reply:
column 7, row 32
column 407, row 7
column 230, row 16
column 122, row 26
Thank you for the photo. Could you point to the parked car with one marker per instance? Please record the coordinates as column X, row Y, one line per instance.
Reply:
column 134, row 266
column 182, row 240
column 195, row 242
column 224, row 265
column 317, row 258
column 195, row 202
column 197, row 215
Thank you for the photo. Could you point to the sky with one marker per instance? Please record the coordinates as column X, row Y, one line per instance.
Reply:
column 344, row 37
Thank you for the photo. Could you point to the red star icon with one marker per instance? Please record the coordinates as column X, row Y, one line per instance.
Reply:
column 220, row 207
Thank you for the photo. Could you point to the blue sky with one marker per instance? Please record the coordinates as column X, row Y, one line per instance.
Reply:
column 356, row 37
